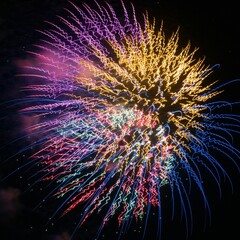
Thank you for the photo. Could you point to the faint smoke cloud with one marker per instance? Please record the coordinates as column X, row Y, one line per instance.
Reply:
column 9, row 203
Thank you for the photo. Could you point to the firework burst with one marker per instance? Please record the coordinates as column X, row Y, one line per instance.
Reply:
column 121, row 111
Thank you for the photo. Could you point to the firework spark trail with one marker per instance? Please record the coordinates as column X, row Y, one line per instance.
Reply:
column 122, row 112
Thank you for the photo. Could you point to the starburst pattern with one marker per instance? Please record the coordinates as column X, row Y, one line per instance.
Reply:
column 121, row 111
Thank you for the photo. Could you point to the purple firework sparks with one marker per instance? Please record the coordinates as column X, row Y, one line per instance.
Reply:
column 121, row 112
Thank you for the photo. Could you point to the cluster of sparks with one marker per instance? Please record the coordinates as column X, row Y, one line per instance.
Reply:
column 120, row 110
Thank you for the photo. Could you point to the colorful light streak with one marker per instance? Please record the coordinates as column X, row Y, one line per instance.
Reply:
column 122, row 111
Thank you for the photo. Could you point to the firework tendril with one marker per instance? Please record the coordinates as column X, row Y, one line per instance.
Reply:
column 123, row 111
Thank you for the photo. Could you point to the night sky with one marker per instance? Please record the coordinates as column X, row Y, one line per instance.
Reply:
column 214, row 28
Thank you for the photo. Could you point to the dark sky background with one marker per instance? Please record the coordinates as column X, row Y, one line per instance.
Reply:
column 213, row 27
